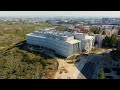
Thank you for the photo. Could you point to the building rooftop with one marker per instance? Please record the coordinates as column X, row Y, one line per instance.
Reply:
column 73, row 41
column 57, row 35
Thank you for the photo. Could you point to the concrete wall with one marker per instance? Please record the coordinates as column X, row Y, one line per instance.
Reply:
column 85, row 45
column 87, row 42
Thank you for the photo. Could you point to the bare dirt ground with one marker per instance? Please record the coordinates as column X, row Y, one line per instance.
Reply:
column 67, row 71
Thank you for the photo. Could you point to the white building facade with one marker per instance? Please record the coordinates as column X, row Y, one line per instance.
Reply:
column 87, row 42
column 63, row 43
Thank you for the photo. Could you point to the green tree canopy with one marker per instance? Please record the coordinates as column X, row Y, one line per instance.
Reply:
column 61, row 28
column 101, row 75
column 103, row 33
column 110, row 41
column 95, row 30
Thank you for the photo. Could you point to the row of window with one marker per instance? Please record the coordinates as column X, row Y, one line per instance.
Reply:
column 55, row 46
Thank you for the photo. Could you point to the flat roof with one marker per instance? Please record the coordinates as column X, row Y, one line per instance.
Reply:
column 89, row 37
column 35, row 35
column 73, row 41
column 79, row 33
column 68, row 41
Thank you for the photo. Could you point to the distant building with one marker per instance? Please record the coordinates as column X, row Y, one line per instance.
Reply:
column 79, row 28
column 105, row 20
column 63, row 43
column 110, row 32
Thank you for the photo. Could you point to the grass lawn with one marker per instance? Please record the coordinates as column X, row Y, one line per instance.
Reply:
column 95, row 51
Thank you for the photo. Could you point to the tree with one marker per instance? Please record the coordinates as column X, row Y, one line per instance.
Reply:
column 20, row 64
column 103, row 33
column 61, row 28
column 105, row 42
column 101, row 75
column 95, row 30
column 110, row 41
column 47, row 21
column 113, row 40
column 119, row 32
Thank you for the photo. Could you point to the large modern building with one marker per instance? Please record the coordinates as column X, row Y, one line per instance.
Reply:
column 63, row 43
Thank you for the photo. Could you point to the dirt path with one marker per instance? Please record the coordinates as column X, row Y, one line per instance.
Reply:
column 67, row 71
column 2, row 47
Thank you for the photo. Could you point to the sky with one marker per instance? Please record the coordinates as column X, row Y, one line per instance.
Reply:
column 62, row 13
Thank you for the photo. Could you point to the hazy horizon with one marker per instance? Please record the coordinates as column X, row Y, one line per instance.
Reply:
column 61, row 13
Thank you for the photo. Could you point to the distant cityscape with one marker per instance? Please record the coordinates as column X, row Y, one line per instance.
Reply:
column 64, row 20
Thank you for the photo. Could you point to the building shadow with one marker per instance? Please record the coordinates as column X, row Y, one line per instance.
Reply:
column 87, row 65
column 33, row 49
